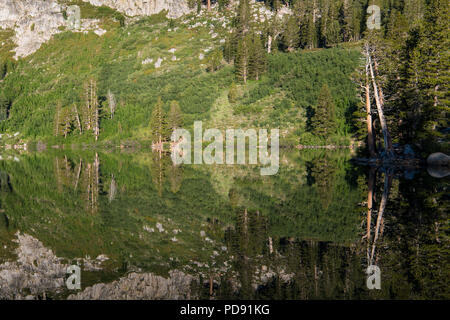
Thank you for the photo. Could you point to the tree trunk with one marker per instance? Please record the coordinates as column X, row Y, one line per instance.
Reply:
column 384, row 199
column 77, row 117
column 384, row 128
column 370, row 201
column 209, row 5
column 370, row 137
column 270, row 245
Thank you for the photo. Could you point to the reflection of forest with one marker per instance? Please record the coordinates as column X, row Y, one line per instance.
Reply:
column 306, row 233
column 80, row 176
column 406, row 235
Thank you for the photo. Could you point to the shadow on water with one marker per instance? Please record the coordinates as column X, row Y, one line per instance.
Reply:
column 309, row 232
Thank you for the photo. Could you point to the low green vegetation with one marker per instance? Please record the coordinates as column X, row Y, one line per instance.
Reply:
column 45, row 97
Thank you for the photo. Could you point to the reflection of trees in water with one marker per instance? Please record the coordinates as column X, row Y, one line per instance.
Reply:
column 80, row 176
column 415, row 250
column 285, row 268
column 162, row 168
column 405, row 233
column 321, row 175
column 380, row 221
column 112, row 189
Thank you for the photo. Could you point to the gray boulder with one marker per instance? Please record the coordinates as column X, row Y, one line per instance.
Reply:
column 438, row 159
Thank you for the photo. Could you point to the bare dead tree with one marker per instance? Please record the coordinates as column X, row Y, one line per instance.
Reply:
column 111, row 103
column 382, row 208
column 384, row 129
column 77, row 118
column 370, row 136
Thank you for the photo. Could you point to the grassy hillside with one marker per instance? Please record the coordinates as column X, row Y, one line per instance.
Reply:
column 123, row 61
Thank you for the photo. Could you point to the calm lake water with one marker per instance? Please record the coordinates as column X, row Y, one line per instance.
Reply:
column 139, row 227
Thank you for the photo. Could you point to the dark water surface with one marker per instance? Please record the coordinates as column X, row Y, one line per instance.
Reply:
column 139, row 227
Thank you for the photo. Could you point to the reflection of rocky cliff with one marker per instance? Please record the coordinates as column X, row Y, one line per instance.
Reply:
column 36, row 271
column 136, row 286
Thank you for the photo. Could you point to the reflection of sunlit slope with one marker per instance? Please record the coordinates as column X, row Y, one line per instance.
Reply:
column 47, row 202
column 309, row 198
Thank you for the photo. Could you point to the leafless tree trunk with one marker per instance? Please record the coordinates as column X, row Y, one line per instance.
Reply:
column 57, row 120
column 112, row 189
column 78, row 174
column 370, row 201
column 384, row 128
column 111, row 103
column 77, row 117
column 384, row 199
column 370, row 137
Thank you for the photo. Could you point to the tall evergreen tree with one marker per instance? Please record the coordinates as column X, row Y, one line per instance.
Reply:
column 434, row 59
column 323, row 122
column 243, row 40
column 4, row 107
column 257, row 61
column 158, row 123
column 291, row 35
column 243, row 58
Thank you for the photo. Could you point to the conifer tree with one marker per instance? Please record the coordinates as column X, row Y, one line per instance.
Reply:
column 433, row 73
column 4, row 107
column 215, row 60
column 233, row 93
column 291, row 35
column 257, row 61
column 243, row 58
column 158, row 123
column 243, row 40
column 323, row 122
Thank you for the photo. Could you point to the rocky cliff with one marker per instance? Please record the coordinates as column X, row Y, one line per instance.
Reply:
column 36, row 21
column 175, row 8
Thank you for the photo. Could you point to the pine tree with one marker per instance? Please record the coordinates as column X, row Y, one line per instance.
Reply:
column 243, row 58
column 4, row 107
column 291, row 35
column 3, row 69
column 215, row 60
column 233, row 93
column 323, row 122
column 243, row 40
column 158, row 124
column 257, row 61
column 433, row 58
column 345, row 18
